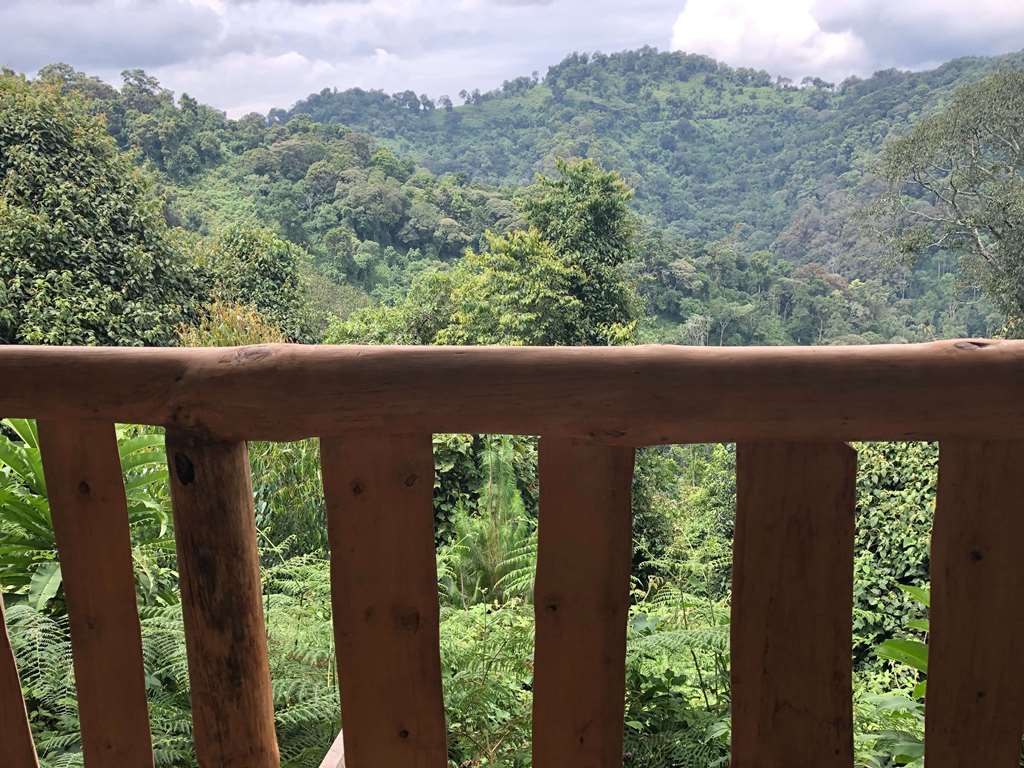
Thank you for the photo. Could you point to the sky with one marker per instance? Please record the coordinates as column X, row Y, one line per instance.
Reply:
column 251, row 55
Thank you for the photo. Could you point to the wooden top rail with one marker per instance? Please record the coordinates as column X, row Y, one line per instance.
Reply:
column 789, row 409
column 634, row 396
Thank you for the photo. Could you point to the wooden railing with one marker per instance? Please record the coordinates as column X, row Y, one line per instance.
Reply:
column 791, row 411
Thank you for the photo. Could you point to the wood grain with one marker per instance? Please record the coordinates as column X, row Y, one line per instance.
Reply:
column 384, row 594
column 626, row 395
column 225, row 638
column 16, row 747
column 792, row 606
column 90, row 524
column 975, row 704
column 581, row 601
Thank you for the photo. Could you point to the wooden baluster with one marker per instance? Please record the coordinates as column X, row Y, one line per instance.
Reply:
column 225, row 638
column 16, row 747
column 581, row 604
column 792, row 606
column 380, row 520
column 90, row 524
column 975, row 703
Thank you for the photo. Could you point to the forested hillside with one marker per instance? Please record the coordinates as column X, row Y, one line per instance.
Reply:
column 753, row 194
column 711, row 150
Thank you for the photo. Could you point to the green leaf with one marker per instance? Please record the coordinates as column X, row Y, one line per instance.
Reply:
column 913, row 653
column 44, row 585
column 26, row 430
column 921, row 594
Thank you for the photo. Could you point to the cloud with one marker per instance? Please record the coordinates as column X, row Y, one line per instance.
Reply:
column 243, row 55
column 98, row 35
column 782, row 36
column 842, row 37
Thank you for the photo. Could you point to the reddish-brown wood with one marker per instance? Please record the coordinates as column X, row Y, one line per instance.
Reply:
column 975, row 703
column 384, row 594
column 225, row 638
column 16, row 747
column 90, row 523
column 626, row 395
column 581, row 600
column 792, row 606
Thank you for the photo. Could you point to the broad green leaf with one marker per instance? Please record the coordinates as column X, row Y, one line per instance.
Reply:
column 913, row 653
column 26, row 430
column 921, row 594
column 44, row 585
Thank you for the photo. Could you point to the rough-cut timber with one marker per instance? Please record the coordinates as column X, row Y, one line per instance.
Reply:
column 380, row 522
column 581, row 601
column 792, row 604
column 16, row 747
column 225, row 638
column 628, row 395
column 975, row 705
column 90, row 523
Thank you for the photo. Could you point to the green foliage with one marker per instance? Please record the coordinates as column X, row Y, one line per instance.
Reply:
column 516, row 291
column 556, row 283
column 486, row 659
column 890, row 725
column 756, row 188
column 708, row 146
column 677, row 703
column 956, row 181
column 895, row 505
column 492, row 555
column 297, row 608
column 28, row 557
column 289, row 498
column 251, row 266
column 85, row 257
column 584, row 214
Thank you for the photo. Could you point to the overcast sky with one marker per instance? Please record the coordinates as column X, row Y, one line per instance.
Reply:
column 251, row 55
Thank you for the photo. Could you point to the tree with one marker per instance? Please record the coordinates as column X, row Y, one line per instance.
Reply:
column 584, row 214
column 559, row 282
column 956, row 181
column 85, row 256
column 516, row 291
column 251, row 266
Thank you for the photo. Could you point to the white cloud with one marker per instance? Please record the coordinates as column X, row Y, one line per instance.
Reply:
column 835, row 38
column 243, row 55
column 783, row 37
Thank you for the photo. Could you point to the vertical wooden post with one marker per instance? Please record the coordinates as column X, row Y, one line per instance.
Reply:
column 975, row 704
column 380, row 517
column 16, row 747
column 225, row 638
column 792, row 606
column 581, row 601
column 90, row 524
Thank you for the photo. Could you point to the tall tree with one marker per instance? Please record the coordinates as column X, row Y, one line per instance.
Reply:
column 85, row 256
column 957, row 182
column 251, row 266
column 584, row 214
